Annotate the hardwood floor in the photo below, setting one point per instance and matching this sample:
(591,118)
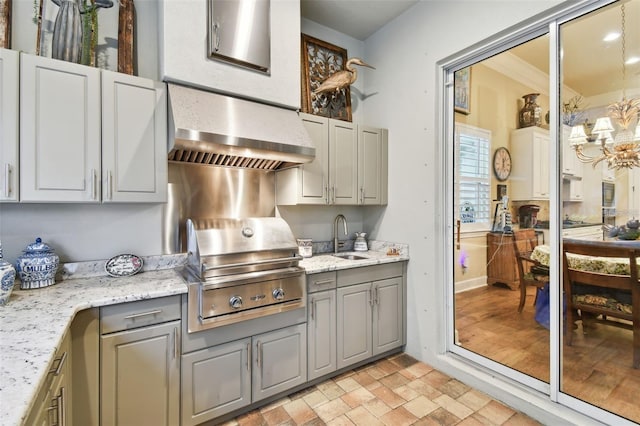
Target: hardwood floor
(596,368)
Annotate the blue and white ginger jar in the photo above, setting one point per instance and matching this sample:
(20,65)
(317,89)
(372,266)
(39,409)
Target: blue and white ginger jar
(7,279)
(38,265)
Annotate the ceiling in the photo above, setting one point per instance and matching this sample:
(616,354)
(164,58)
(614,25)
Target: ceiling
(356,18)
(590,66)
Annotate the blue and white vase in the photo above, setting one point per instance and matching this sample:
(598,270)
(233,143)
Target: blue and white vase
(38,265)
(7,279)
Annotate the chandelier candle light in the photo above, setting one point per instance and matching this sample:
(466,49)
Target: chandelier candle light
(623,151)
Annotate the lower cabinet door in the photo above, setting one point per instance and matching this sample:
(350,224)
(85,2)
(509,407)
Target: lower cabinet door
(279,361)
(354,324)
(388,330)
(215,381)
(321,329)
(140,376)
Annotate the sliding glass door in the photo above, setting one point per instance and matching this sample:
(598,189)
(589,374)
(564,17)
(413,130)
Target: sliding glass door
(530,167)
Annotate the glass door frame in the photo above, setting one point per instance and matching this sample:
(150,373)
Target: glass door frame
(547,23)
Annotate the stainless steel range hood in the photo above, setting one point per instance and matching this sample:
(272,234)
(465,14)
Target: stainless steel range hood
(213,129)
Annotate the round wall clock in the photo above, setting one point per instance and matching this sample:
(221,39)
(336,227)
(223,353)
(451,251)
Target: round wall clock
(502,163)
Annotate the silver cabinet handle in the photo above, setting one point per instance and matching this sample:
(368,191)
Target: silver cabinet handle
(312,307)
(110,185)
(249,356)
(56,371)
(362,195)
(216,35)
(323,282)
(175,342)
(7,176)
(93,184)
(259,354)
(333,194)
(143,314)
(371,301)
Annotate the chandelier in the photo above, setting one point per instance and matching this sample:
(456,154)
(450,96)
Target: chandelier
(623,150)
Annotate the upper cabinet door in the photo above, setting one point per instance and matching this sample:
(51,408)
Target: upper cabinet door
(372,161)
(59,131)
(134,139)
(343,170)
(9,70)
(315,175)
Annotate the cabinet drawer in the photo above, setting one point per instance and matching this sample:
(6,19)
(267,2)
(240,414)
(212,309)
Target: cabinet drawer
(320,282)
(369,273)
(139,314)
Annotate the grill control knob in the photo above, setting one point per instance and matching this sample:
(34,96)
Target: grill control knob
(278,294)
(235,302)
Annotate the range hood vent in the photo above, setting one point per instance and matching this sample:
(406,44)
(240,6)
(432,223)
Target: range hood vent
(213,129)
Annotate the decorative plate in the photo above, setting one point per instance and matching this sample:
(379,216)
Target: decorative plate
(123,265)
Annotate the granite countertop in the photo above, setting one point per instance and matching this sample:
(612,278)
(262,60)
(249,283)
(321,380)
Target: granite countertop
(328,262)
(33,322)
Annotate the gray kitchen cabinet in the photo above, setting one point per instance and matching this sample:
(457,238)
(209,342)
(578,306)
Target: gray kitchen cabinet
(140,363)
(370,312)
(350,167)
(134,139)
(321,332)
(226,377)
(215,381)
(9,167)
(59,130)
(530,157)
(279,360)
(52,404)
(90,135)
(372,165)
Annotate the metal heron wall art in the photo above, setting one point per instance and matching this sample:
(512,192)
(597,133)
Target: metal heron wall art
(341,79)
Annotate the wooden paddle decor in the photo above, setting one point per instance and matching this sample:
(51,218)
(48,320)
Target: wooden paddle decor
(5,24)
(125,36)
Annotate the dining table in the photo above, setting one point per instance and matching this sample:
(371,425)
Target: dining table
(602,265)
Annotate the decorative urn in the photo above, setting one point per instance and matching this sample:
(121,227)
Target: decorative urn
(7,279)
(38,265)
(530,113)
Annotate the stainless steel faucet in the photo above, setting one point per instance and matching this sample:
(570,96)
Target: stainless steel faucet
(337,244)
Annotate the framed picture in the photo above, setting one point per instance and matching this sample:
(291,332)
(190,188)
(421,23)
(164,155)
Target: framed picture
(318,62)
(5,24)
(501,191)
(462,90)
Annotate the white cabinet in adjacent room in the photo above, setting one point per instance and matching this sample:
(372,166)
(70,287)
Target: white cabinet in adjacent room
(9,167)
(88,135)
(571,165)
(530,170)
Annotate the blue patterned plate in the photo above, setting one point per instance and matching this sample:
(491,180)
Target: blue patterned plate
(123,265)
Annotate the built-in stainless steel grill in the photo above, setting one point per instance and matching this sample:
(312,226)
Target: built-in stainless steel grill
(240,269)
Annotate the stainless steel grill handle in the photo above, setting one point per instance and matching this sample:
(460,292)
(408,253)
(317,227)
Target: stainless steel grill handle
(207,267)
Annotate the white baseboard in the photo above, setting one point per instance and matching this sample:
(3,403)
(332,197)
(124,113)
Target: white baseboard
(466,285)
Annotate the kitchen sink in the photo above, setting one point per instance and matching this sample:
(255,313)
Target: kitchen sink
(349,256)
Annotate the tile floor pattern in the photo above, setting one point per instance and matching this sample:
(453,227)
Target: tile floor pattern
(394,391)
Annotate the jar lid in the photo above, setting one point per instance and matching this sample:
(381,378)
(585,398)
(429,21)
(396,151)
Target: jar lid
(38,247)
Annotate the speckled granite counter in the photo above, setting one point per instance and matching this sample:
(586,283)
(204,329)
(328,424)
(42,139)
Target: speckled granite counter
(327,262)
(33,322)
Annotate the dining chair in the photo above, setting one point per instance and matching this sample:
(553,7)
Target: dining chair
(601,293)
(531,272)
